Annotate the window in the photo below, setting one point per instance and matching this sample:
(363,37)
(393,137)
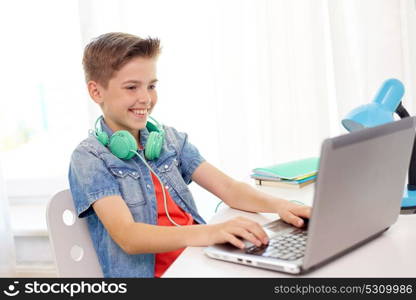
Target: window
(44,107)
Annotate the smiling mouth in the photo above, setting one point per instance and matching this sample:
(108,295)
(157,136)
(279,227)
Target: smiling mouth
(139,112)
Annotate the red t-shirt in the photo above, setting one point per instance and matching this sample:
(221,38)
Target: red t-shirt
(164,260)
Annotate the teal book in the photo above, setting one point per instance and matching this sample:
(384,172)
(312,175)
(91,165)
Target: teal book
(278,179)
(293,170)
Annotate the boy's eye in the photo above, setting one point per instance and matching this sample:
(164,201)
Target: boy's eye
(131,87)
(152,87)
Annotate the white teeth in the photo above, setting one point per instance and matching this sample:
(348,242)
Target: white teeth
(139,111)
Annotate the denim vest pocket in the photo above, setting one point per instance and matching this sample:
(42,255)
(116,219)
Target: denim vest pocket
(130,187)
(166,161)
(167,165)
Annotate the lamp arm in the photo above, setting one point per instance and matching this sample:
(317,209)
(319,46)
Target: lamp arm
(401,111)
(411,186)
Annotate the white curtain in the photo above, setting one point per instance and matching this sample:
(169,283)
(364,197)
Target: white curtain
(7,250)
(371,41)
(256,82)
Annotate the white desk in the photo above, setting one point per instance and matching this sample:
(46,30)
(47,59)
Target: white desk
(390,255)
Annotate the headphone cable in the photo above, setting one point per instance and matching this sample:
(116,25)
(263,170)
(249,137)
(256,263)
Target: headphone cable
(162,186)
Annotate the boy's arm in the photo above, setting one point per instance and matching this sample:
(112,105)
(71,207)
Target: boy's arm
(243,196)
(135,238)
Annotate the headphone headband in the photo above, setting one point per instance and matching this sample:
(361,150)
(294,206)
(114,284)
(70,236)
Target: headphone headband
(96,121)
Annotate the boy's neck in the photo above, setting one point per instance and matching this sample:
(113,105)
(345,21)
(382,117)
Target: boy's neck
(139,146)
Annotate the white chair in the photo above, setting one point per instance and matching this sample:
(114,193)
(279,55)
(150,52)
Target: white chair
(70,239)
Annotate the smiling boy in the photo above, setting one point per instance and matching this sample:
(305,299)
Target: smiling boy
(131,216)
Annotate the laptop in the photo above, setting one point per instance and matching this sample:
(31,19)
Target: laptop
(357,197)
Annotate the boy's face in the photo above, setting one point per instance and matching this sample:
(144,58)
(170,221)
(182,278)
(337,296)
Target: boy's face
(130,96)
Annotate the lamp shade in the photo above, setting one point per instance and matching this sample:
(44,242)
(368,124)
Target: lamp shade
(380,111)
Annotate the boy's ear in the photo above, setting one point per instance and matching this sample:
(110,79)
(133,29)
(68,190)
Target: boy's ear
(94,89)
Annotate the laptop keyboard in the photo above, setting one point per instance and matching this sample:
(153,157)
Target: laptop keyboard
(288,246)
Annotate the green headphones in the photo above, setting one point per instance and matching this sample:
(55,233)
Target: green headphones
(123,145)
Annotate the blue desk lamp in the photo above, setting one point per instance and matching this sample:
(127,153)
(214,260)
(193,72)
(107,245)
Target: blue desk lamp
(380,111)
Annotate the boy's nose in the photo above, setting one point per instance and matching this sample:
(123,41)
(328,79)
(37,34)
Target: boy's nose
(144,99)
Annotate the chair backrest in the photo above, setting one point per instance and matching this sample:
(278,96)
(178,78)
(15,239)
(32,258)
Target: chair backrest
(70,239)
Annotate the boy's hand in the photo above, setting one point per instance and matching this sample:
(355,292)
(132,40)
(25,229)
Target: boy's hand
(236,228)
(293,213)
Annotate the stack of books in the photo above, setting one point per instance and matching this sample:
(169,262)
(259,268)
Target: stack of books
(293,174)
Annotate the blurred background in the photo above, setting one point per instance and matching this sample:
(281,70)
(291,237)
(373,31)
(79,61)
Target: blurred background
(253,82)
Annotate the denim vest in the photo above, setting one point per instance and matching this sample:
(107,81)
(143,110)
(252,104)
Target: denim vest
(95,173)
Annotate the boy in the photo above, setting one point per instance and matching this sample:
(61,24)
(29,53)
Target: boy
(133,204)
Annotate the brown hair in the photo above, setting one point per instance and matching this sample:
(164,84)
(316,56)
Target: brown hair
(109,52)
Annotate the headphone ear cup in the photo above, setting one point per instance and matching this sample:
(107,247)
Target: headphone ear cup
(154,145)
(122,144)
(102,137)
